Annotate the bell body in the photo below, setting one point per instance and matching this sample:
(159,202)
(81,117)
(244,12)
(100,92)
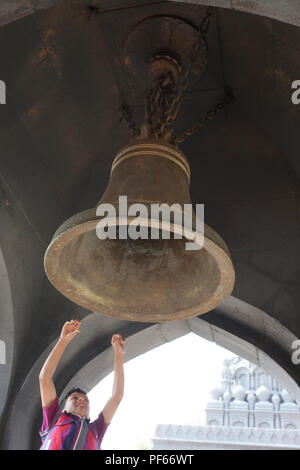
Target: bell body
(149,279)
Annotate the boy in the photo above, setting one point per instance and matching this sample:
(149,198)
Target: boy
(67,426)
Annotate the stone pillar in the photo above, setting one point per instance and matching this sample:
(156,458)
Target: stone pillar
(251,398)
(276,402)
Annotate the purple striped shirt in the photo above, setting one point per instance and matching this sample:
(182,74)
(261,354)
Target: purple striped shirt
(65,432)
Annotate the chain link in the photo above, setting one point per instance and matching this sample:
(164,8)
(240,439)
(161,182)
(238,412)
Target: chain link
(162,104)
(127,115)
(207,117)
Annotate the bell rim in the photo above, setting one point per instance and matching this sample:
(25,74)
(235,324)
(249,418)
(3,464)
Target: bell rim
(65,235)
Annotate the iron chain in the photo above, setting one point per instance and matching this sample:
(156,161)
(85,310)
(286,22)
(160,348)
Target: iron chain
(207,117)
(127,115)
(165,96)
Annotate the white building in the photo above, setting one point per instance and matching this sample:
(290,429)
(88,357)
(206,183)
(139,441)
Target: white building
(248,410)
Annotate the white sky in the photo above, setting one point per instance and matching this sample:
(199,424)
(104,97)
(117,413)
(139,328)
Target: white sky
(169,385)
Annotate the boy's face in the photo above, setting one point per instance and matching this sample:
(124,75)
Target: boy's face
(79,404)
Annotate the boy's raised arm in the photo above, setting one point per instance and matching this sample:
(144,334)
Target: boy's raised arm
(118,386)
(47,388)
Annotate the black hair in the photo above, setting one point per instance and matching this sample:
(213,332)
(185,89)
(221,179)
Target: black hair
(73,390)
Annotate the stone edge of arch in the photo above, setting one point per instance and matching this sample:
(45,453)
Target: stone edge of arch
(149,338)
(286,11)
(159,334)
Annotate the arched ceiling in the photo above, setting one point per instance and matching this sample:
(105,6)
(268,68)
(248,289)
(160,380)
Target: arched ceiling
(60,130)
(286,11)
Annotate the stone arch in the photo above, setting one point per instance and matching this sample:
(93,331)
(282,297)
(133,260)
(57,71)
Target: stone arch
(290,426)
(261,379)
(286,11)
(162,333)
(264,425)
(242,374)
(25,436)
(238,424)
(213,422)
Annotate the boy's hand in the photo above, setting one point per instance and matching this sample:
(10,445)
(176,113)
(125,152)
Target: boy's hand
(118,342)
(70,329)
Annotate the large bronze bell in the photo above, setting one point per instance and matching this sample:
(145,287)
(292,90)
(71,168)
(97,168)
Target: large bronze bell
(148,280)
